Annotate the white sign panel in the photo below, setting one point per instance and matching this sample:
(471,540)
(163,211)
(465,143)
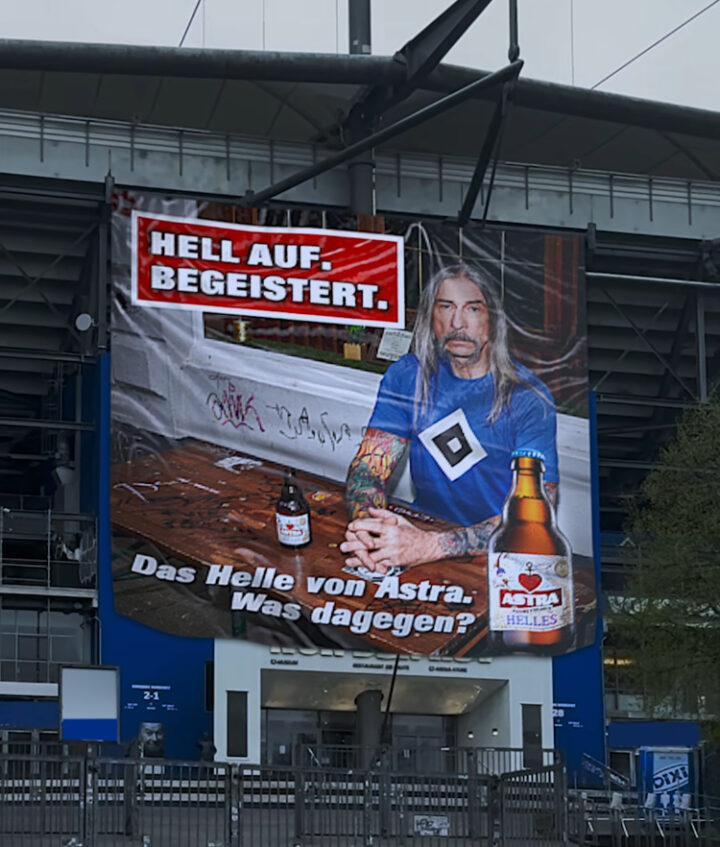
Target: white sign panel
(89,704)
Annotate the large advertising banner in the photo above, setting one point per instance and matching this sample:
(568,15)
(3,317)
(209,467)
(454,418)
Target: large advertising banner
(328,437)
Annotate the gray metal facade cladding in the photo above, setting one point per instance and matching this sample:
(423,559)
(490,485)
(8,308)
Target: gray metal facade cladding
(229,166)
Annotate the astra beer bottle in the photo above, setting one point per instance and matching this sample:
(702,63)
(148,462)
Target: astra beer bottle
(292,513)
(531,605)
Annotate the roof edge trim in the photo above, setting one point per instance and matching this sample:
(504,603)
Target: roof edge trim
(330,68)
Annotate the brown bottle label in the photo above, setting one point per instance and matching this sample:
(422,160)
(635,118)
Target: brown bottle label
(529,593)
(293,530)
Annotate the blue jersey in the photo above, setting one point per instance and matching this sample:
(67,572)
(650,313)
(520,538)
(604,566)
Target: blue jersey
(459,460)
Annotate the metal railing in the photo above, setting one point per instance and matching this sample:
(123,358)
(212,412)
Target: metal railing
(618,818)
(47,549)
(423,759)
(105,802)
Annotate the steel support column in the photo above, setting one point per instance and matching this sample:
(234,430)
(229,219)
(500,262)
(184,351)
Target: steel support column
(514,49)
(103,242)
(701,349)
(362,169)
(369,722)
(359,27)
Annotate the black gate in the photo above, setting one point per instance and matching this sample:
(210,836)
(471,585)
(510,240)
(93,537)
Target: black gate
(533,807)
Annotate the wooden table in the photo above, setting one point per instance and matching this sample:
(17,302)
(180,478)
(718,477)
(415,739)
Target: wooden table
(199,505)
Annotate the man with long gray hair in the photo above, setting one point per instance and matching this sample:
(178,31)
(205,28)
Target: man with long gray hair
(460,405)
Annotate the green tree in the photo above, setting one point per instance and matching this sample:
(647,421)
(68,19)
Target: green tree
(668,623)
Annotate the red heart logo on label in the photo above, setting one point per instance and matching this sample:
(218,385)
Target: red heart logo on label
(290,526)
(529,581)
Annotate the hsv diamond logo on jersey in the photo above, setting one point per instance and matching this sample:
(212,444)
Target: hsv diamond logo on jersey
(453,445)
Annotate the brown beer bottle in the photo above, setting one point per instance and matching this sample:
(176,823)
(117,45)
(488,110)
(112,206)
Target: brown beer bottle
(531,605)
(292,514)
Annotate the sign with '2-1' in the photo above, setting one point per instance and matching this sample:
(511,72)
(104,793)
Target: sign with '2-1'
(326,276)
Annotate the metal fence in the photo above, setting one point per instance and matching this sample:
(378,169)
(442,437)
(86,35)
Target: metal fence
(76,801)
(617,819)
(533,807)
(103,802)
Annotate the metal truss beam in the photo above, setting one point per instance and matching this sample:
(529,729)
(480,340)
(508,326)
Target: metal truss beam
(425,51)
(625,353)
(630,400)
(668,365)
(420,56)
(506,74)
(88,594)
(680,335)
(47,355)
(660,280)
(662,417)
(35,423)
(630,464)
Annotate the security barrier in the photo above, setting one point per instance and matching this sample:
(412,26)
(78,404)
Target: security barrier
(103,802)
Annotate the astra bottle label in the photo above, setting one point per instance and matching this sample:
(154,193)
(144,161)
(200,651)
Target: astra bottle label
(529,592)
(293,530)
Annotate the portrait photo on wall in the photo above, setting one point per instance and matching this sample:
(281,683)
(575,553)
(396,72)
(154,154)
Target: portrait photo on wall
(361,433)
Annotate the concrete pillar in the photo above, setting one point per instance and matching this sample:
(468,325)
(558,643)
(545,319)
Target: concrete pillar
(362,185)
(368,725)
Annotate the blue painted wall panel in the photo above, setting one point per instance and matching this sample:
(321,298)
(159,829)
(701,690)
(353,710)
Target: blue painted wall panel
(162,677)
(578,689)
(630,734)
(89,729)
(29,714)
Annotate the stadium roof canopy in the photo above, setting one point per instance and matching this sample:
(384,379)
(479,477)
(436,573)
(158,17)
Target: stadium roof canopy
(303,97)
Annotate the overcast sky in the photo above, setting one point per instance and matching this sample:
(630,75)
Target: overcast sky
(570,41)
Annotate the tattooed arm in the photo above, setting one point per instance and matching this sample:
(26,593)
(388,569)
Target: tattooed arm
(468,540)
(369,471)
(390,539)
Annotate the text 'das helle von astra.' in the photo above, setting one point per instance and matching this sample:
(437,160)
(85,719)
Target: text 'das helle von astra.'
(256,593)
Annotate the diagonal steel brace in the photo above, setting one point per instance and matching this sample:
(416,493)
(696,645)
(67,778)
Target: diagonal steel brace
(641,335)
(489,148)
(420,55)
(506,74)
